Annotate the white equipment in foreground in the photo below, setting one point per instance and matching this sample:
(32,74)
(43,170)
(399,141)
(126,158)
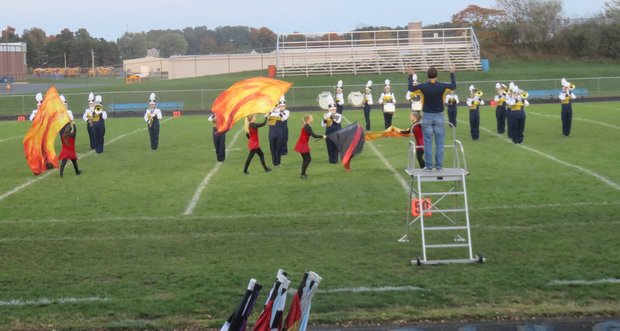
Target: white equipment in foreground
(356,99)
(324,99)
(438,200)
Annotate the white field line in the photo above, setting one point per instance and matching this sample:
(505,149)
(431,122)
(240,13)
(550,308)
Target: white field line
(9,139)
(607,181)
(363,289)
(194,201)
(46,301)
(293,215)
(584,282)
(387,164)
(578,119)
(47,173)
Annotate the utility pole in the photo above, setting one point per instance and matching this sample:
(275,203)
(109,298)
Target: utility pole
(65,59)
(92,59)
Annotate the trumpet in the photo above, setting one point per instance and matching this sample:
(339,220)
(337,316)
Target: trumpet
(479,93)
(571,86)
(524,94)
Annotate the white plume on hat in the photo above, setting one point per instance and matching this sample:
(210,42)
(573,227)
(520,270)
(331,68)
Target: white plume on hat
(91,97)
(471,88)
(63,99)
(282,100)
(415,78)
(511,86)
(39,97)
(565,83)
(387,82)
(331,103)
(98,99)
(152,97)
(369,84)
(339,84)
(498,86)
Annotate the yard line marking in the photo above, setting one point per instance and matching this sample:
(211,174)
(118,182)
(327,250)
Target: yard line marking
(292,215)
(607,181)
(363,289)
(46,301)
(194,201)
(387,164)
(584,282)
(7,139)
(47,173)
(579,119)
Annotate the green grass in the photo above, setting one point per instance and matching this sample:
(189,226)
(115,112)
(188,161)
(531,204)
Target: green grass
(117,231)
(199,93)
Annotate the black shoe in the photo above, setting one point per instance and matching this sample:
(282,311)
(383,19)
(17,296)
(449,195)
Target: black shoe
(268,170)
(245,172)
(304,176)
(78,172)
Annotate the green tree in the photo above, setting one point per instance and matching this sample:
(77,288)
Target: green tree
(612,10)
(172,43)
(132,45)
(36,40)
(531,21)
(233,38)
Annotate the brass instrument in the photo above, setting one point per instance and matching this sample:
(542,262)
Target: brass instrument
(524,94)
(571,86)
(150,120)
(479,94)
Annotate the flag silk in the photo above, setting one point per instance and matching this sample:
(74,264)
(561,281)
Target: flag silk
(250,96)
(51,117)
(270,318)
(298,314)
(350,142)
(239,318)
(392,131)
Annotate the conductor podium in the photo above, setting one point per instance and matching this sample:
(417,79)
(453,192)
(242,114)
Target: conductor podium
(438,203)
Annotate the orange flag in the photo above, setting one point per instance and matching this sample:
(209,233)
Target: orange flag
(389,132)
(51,117)
(247,97)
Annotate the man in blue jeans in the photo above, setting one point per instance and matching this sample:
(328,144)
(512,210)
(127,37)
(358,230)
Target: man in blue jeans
(433,121)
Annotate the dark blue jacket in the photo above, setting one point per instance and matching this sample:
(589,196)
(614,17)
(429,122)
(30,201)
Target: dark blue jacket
(433,92)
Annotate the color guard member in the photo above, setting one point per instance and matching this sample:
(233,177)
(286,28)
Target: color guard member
(302,146)
(251,131)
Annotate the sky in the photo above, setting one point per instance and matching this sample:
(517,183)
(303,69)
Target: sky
(110,19)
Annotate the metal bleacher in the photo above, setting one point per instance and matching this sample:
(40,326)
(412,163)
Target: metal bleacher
(376,51)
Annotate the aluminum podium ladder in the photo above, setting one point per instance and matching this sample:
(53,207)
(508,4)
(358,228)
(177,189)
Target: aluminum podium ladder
(438,201)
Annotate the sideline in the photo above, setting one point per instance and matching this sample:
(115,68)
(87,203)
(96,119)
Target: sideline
(584,282)
(194,201)
(46,301)
(8,139)
(47,173)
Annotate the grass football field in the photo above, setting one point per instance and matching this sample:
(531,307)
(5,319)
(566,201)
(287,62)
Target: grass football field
(122,245)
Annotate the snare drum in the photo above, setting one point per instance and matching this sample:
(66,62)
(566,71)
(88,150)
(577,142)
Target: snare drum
(356,99)
(389,108)
(324,99)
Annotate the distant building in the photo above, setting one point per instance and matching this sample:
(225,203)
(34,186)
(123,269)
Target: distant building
(13,60)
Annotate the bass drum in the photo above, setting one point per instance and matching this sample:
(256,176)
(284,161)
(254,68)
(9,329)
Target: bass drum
(324,99)
(356,99)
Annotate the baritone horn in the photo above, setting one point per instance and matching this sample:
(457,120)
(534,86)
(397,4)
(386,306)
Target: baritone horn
(524,94)
(98,108)
(571,86)
(479,93)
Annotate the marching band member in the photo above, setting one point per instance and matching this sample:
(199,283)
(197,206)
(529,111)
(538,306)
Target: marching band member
(452,100)
(39,98)
(251,131)
(567,108)
(152,117)
(511,88)
(98,118)
(219,141)
(500,109)
(388,101)
(88,118)
(275,134)
(302,144)
(339,97)
(474,102)
(367,103)
(67,152)
(415,98)
(331,123)
(517,114)
(285,113)
(416,130)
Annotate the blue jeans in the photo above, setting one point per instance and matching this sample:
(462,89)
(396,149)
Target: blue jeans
(433,126)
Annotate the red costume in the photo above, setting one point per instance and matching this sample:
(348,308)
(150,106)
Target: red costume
(253,138)
(68,148)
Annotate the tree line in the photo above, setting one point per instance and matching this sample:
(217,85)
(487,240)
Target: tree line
(515,29)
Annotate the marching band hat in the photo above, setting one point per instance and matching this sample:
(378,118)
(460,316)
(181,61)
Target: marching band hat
(152,98)
(472,88)
(369,84)
(63,99)
(414,77)
(98,99)
(39,98)
(91,97)
(565,83)
(339,84)
(387,82)
(282,100)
